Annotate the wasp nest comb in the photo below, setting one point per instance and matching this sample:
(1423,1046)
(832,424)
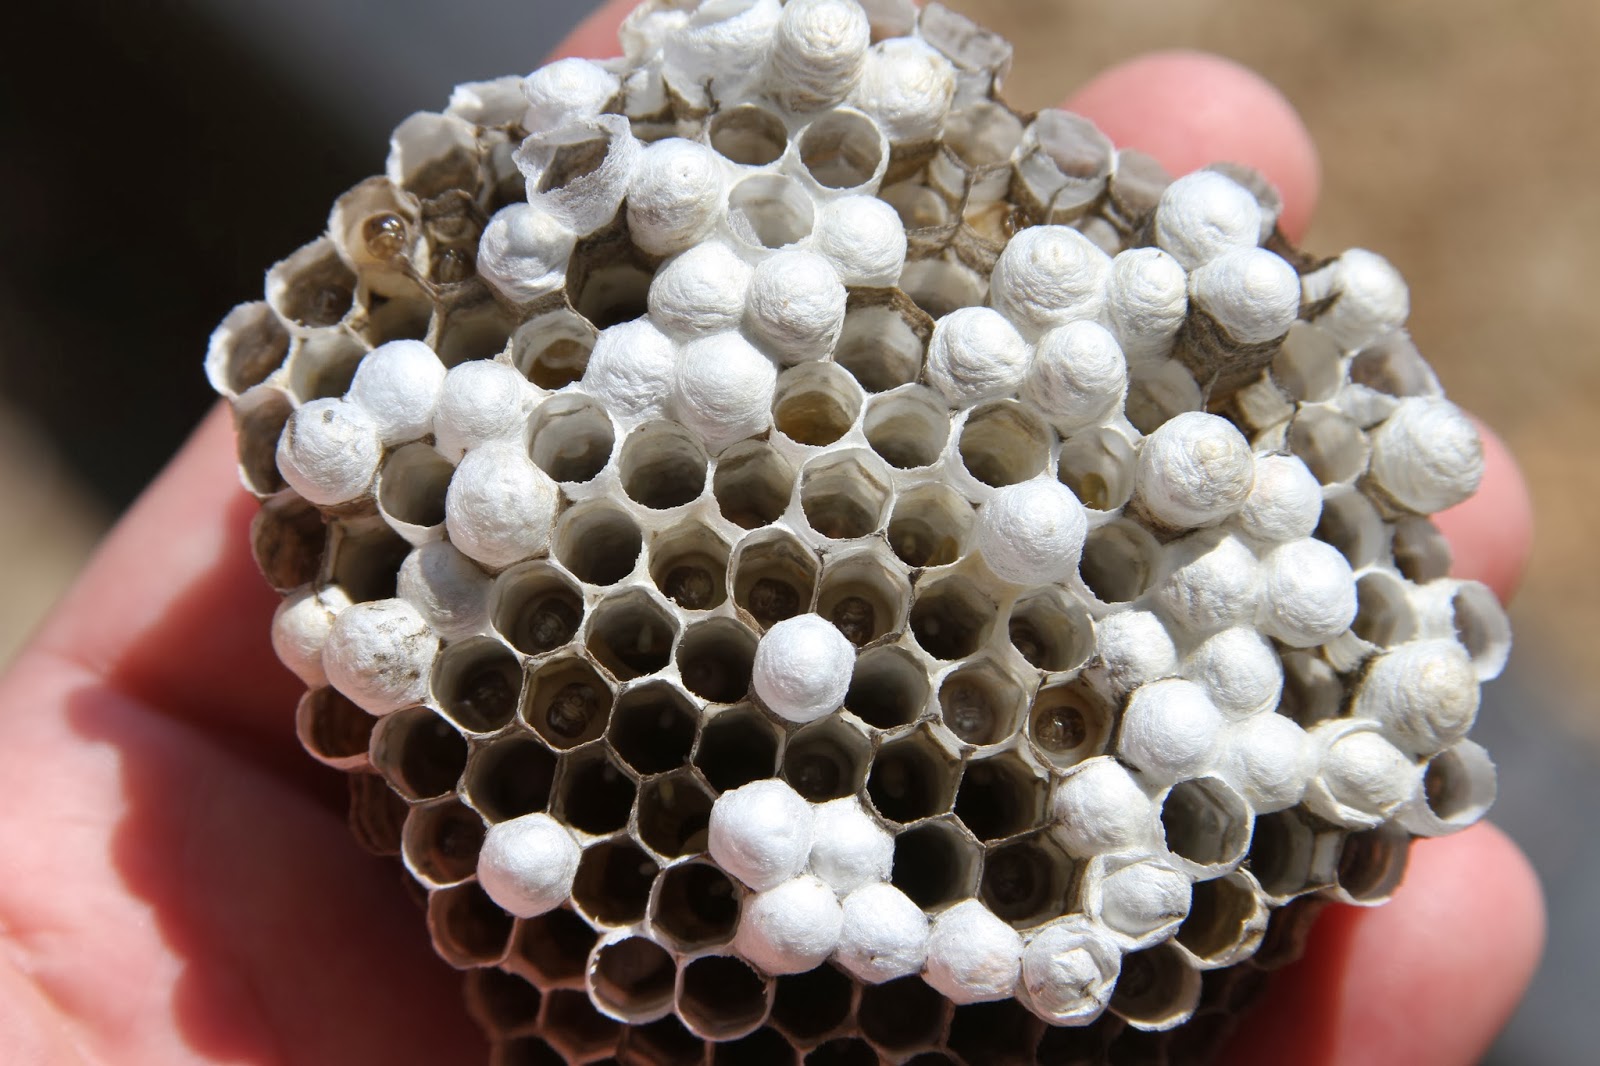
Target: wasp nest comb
(804,562)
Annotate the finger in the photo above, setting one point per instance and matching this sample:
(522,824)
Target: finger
(1189,109)
(1491,534)
(1428,979)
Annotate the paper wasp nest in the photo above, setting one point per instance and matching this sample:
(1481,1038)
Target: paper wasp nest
(806,563)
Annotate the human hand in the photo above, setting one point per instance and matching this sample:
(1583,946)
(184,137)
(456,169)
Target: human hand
(182,888)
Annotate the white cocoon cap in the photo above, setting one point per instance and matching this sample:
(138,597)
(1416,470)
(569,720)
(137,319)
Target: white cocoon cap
(973,956)
(1284,504)
(761,833)
(398,384)
(907,87)
(1134,647)
(850,849)
(447,587)
(1194,470)
(1203,214)
(1169,730)
(975,354)
(674,196)
(791,928)
(722,389)
(1269,759)
(380,655)
(329,451)
(818,52)
(884,935)
(527,864)
(1079,377)
(1147,299)
(1032,533)
(802,668)
(1142,900)
(1239,669)
(567,90)
(1099,807)
(1364,775)
(631,368)
(864,239)
(700,292)
(480,401)
(1069,971)
(1370,298)
(1210,583)
(1047,276)
(1424,695)
(1253,294)
(523,253)
(723,43)
(1427,455)
(499,507)
(1308,593)
(300,627)
(796,306)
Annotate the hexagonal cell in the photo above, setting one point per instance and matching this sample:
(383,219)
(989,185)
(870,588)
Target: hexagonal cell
(939,286)
(1331,444)
(1069,723)
(553,948)
(826,760)
(815,403)
(842,149)
(630,633)
(1226,920)
(568,702)
(440,842)
(419,753)
(934,864)
(1098,466)
(1003,444)
(552,350)
(1353,525)
(774,576)
(598,542)
(1420,551)
(882,344)
(501,1002)
(674,812)
(764,1047)
(842,1051)
(608,282)
(536,608)
(737,746)
(575,1028)
(477,683)
(593,793)
(661,1043)
(1371,865)
(992,1034)
(526,1051)
(333,729)
(364,558)
(1479,623)
(721,997)
(908,428)
(1000,796)
(376,813)
(689,564)
(1458,788)
(1312,690)
(1025,881)
(951,617)
(752,484)
(902,1014)
(912,777)
(1384,613)
(653,727)
(631,979)
(929,526)
(747,134)
(888,689)
(411,487)
(469,332)
(845,495)
(246,348)
(1291,855)
(808,1006)
(312,287)
(613,882)
(1157,990)
(1119,561)
(715,659)
(1051,630)
(662,466)
(260,416)
(770,211)
(981,703)
(695,906)
(510,777)
(1308,366)
(394,319)
(468,928)
(1206,824)
(287,539)
(864,594)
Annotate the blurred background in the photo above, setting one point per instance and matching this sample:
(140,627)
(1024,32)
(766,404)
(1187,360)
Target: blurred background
(158,157)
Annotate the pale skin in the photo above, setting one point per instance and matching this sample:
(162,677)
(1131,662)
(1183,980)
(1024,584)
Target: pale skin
(180,886)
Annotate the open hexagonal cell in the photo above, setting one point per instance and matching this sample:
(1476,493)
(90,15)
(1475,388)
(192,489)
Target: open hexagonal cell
(598,542)
(440,842)
(737,746)
(1312,690)
(1290,855)
(376,813)
(653,727)
(1421,553)
(774,576)
(312,287)
(1352,524)
(1308,366)
(364,558)
(1206,823)
(842,149)
(1371,864)
(908,428)
(419,753)
(950,617)
(287,539)
(696,906)
(568,702)
(929,526)
(1051,630)
(715,658)
(748,134)
(477,683)
(888,689)
(1157,989)
(662,466)
(1330,443)
(608,282)
(810,1005)
(246,348)
(981,703)
(1393,366)
(989,1034)
(845,496)
(468,928)
(764,1047)
(333,729)
(1098,466)
(1226,920)
(842,1051)
(1119,561)
(1481,626)
(613,882)
(752,484)
(1025,881)
(412,484)
(1384,614)
(689,564)
(935,863)
(826,760)
(575,1028)
(770,211)
(903,1014)
(552,350)
(501,1002)
(1000,796)
(260,418)
(536,607)
(815,403)
(863,594)
(912,777)
(630,633)
(396,318)
(631,979)
(1003,443)
(882,344)
(1069,723)
(661,1043)
(593,793)
(478,331)
(674,812)
(526,1051)
(1458,787)
(553,948)
(721,997)
(510,777)
(571,438)
(939,286)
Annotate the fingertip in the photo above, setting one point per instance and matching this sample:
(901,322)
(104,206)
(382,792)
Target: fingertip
(1491,533)
(1189,109)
